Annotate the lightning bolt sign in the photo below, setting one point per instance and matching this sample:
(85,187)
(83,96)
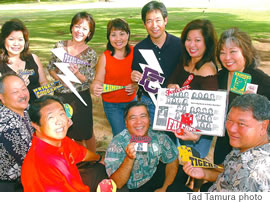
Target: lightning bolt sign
(152,63)
(68,76)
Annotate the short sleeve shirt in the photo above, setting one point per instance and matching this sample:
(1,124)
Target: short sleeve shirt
(247,171)
(50,168)
(15,140)
(161,149)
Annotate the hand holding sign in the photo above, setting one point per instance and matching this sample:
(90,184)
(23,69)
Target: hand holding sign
(186,155)
(194,172)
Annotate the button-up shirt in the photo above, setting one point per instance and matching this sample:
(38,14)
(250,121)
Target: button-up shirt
(161,148)
(247,171)
(15,140)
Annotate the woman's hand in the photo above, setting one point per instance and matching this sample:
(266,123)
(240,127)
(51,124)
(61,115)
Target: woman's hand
(188,136)
(130,89)
(73,68)
(97,88)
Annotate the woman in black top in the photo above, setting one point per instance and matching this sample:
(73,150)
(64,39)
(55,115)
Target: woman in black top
(236,53)
(15,56)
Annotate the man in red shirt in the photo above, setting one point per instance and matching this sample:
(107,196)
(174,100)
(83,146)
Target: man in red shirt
(50,164)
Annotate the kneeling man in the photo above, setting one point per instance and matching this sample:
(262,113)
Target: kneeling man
(50,164)
(247,166)
(152,170)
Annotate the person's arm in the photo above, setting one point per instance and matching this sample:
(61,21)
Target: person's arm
(42,76)
(170,173)
(75,70)
(188,136)
(208,174)
(91,156)
(97,84)
(122,174)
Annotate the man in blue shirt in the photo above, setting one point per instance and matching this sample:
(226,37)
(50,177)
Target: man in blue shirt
(166,47)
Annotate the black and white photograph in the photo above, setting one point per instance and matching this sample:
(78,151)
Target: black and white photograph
(207,108)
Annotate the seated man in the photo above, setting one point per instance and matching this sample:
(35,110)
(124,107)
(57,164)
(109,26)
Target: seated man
(153,170)
(50,164)
(15,131)
(247,167)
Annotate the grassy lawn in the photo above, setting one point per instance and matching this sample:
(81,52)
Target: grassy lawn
(48,27)
(3,2)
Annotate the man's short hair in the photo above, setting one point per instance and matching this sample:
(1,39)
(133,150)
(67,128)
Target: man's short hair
(3,77)
(38,104)
(258,104)
(134,104)
(154,5)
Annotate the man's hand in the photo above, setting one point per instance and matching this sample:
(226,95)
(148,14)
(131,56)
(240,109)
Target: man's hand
(197,173)
(130,150)
(136,76)
(173,86)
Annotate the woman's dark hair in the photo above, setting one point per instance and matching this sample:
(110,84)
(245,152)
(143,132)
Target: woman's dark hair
(117,24)
(84,15)
(244,42)
(7,28)
(210,40)
(38,104)
(151,6)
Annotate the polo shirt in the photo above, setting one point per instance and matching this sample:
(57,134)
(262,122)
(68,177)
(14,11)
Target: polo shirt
(168,55)
(161,148)
(50,168)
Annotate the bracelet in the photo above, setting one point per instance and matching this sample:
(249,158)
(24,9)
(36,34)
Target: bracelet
(100,157)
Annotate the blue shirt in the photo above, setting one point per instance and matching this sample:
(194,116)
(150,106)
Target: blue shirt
(168,56)
(161,149)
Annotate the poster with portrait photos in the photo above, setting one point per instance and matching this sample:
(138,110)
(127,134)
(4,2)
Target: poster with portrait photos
(199,111)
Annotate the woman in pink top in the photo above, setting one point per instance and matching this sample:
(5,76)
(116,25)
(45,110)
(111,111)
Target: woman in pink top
(114,68)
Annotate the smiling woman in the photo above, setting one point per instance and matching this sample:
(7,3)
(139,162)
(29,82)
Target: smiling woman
(15,56)
(114,68)
(82,29)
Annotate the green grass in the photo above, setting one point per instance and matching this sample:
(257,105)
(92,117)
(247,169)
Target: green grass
(48,27)
(3,2)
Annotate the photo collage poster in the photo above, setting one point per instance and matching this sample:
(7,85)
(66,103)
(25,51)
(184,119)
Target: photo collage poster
(200,111)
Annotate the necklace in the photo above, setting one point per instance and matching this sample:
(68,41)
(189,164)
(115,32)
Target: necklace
(18,68)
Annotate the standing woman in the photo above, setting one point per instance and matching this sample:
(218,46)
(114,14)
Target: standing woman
(236,53)
(198,60)
(16,57)
(114,67)
(82,29)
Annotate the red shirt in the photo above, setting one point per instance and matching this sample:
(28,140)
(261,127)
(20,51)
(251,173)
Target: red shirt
(50,168)
(118,72)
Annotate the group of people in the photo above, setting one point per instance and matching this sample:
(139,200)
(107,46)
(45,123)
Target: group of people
(42,150)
